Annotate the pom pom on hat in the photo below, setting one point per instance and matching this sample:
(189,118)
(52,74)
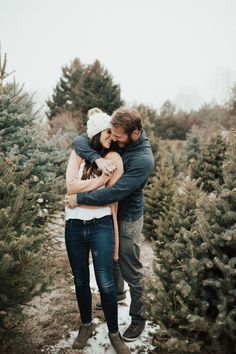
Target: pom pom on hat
(97,122)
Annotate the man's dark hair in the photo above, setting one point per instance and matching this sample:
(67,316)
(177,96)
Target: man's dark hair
(127,118)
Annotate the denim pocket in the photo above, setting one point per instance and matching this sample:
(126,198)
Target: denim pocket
(68,222)
(105,222)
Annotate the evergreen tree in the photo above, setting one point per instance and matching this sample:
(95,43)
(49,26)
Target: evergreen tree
(172,124)
(158,197)
(193,295)
(149,117)
(230,120)
(164,294)
(181,213)
(194,142)
(63,92)
(21,238)
(208,166)
(82,87)
(31,189)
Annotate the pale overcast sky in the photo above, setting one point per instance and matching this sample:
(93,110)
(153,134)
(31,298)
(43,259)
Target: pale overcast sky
(182,50)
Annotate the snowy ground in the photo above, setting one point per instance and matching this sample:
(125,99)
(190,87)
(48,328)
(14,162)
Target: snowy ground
(51,319)
(99,343)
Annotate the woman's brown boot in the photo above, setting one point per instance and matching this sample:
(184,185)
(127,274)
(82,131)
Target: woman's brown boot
(85,332)
(118,344)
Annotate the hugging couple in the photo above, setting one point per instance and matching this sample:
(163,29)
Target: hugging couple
(106,174)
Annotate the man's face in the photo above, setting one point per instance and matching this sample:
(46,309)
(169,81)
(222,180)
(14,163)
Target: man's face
(120,137)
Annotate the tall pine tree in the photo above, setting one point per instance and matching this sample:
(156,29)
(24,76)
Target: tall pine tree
(82,87)
(208,166)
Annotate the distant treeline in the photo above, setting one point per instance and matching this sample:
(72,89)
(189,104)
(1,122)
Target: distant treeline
(82,87)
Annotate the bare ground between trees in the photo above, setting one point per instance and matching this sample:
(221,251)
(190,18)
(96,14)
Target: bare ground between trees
(50,317)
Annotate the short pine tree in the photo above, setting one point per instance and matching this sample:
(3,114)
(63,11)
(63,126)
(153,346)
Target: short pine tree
(193,296)
(181,213)
(164,299)
(208,165)
(21,238)
(194,142)
(31,189)
(158,197)
(149,118)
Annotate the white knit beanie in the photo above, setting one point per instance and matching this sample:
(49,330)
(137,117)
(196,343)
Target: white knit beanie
(97,122)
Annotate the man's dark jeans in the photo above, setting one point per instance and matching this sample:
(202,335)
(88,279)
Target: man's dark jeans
(96,235)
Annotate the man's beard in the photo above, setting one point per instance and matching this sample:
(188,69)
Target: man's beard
(127,143)
(115,144)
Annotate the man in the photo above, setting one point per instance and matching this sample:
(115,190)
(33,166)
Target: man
(138,163)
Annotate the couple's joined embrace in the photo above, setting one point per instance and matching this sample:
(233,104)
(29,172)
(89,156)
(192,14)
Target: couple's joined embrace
(105,177)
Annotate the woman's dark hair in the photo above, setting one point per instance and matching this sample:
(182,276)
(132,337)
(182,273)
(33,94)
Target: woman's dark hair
(95,142)
(92,169)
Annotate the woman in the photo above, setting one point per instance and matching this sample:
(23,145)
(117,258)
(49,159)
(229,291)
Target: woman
(92,228)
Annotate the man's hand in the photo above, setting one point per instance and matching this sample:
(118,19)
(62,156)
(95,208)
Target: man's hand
(71,200)
(106,165)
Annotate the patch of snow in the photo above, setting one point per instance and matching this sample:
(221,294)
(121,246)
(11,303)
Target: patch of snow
(99,343)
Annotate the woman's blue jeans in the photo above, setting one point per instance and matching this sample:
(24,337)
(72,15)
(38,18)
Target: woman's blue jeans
(96,235)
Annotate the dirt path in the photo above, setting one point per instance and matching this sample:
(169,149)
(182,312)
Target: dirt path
(52,319)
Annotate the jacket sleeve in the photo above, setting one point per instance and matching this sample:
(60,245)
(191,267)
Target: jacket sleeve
(82,147)
(134,176)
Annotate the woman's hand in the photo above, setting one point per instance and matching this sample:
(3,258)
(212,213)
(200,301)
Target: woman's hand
(71,200)
(106,165)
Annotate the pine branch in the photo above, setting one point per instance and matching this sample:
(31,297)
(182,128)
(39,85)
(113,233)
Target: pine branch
(204,231)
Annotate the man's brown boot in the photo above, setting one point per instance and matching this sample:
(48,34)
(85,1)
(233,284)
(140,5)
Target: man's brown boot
(118,344)
(85,332)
